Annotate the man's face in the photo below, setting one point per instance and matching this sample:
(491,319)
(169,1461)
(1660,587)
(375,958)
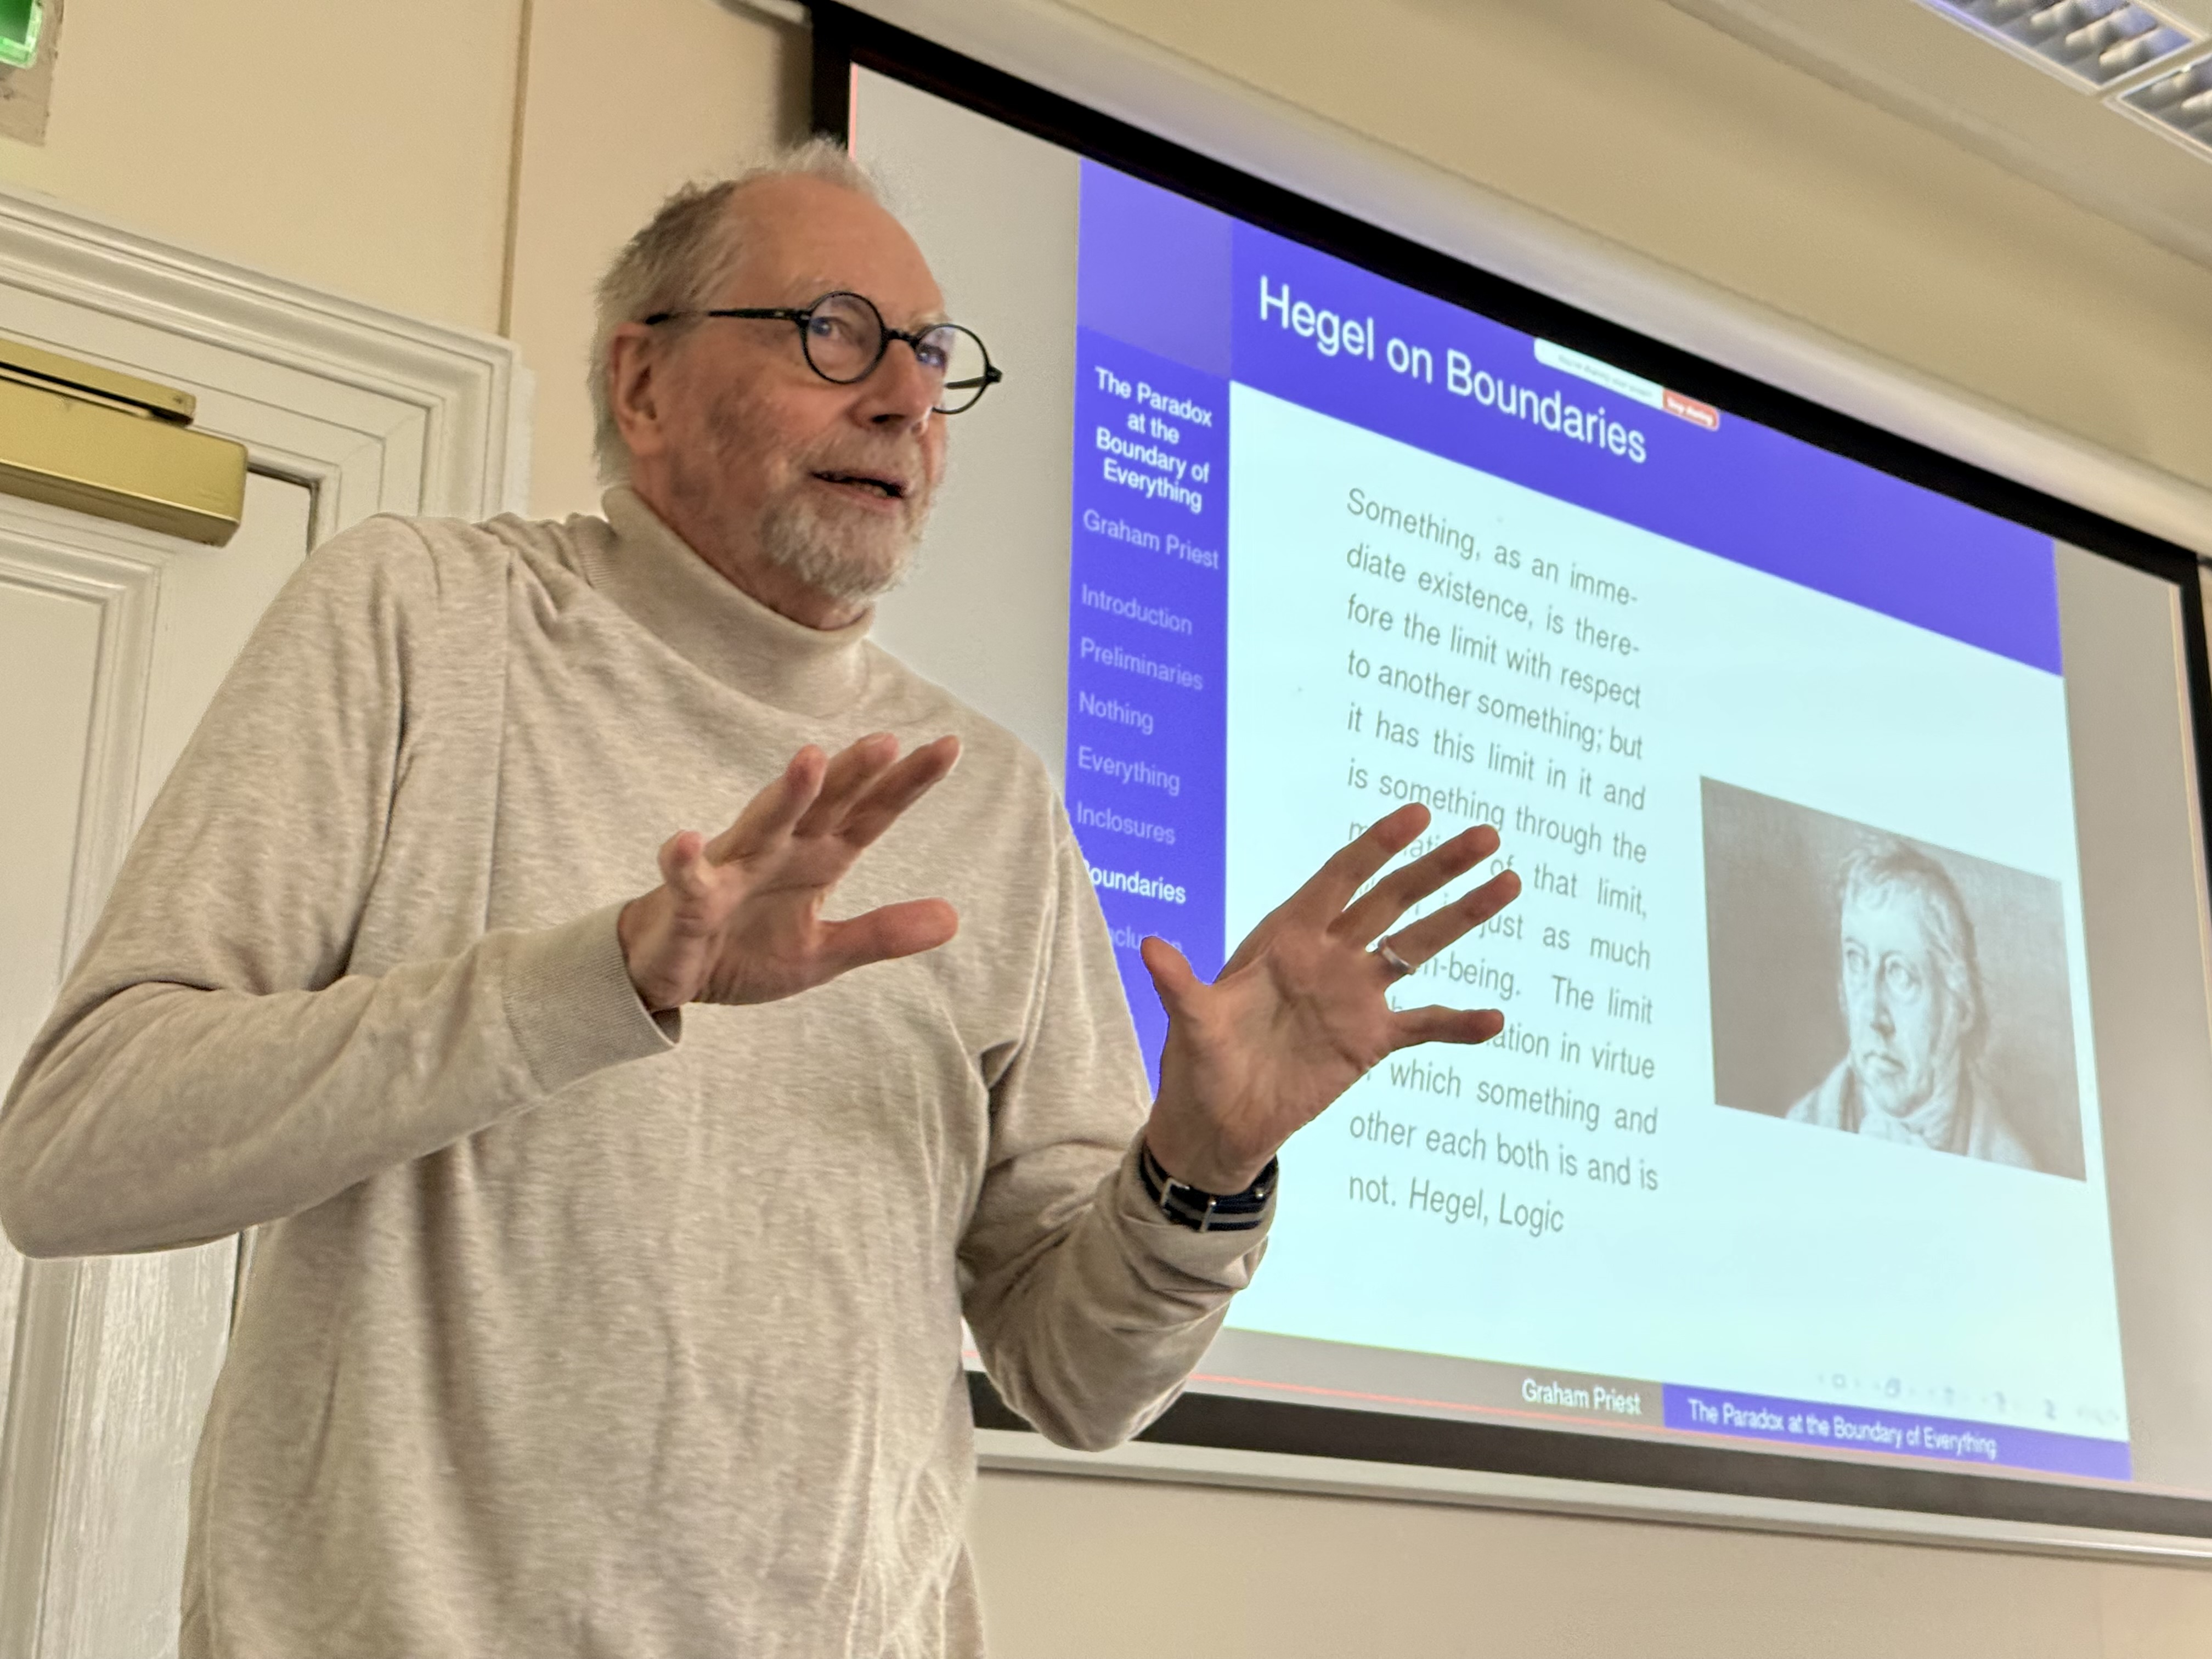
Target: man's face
(1904,1021)
(790,484)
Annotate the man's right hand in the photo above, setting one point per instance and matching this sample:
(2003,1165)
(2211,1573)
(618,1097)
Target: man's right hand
(739,919)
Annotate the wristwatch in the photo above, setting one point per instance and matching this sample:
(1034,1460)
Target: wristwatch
(1198,1209)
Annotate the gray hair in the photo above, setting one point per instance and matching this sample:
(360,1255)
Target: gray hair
(1878,868)
(685,249)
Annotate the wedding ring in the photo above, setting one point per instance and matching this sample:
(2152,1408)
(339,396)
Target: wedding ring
(1398,965)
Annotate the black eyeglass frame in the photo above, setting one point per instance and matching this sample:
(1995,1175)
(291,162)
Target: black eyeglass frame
(800,316)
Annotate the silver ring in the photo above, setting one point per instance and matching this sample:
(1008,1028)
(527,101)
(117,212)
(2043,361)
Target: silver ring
(1398,965)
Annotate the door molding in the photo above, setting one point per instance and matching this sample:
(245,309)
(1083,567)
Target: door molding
(374,412)
(436,412)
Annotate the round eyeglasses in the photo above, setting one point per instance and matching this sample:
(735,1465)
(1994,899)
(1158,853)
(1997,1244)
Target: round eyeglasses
(844,337)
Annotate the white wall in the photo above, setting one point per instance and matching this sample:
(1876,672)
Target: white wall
(361,147)
(1085,1568)
(476,163)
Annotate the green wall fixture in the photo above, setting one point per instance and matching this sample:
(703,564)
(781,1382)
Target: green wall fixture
(18,31)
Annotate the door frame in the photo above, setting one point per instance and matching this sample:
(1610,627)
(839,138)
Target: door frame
(104,1376)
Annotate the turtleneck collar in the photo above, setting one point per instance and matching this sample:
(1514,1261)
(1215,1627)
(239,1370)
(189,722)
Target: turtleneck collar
(654,575)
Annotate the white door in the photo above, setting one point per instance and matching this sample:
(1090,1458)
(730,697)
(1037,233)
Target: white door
(112,642)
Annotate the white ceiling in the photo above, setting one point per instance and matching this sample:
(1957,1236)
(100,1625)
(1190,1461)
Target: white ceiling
(1904,56)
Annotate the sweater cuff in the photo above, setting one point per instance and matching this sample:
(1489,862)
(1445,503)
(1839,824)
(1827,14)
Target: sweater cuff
(572,1007)
(1203,1253)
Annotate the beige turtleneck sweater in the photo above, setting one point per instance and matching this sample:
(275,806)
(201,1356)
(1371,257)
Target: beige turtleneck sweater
(570,1331)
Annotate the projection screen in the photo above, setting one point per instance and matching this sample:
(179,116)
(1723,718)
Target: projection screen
(1850,1138)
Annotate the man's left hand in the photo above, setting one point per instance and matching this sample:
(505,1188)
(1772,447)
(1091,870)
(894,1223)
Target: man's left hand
(1298,1014)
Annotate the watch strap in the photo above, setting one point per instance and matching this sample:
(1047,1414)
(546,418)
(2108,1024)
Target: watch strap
(1198,1209)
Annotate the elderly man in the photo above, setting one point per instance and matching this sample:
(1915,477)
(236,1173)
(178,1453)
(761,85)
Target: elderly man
(1913,1004)
(614,1247)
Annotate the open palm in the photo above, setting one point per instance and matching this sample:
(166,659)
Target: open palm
(1298,1014)
(739,918)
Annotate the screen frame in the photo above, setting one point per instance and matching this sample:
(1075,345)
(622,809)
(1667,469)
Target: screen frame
(1764,1486)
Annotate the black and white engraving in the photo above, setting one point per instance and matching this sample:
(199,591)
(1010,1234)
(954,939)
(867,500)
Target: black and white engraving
(1869,983)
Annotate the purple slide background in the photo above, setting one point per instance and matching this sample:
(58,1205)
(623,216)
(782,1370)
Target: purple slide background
(1165,273)
(1189,723)
(1902,1434)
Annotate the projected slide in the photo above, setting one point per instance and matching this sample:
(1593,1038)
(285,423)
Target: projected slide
(1793,1136)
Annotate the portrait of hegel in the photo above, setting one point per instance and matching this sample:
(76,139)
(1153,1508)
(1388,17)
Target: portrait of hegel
(1909,984)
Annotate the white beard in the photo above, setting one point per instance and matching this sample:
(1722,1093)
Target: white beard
(846,556)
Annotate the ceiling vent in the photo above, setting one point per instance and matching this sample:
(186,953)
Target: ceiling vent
(2180,103)
(2094,44)
(2152,62)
